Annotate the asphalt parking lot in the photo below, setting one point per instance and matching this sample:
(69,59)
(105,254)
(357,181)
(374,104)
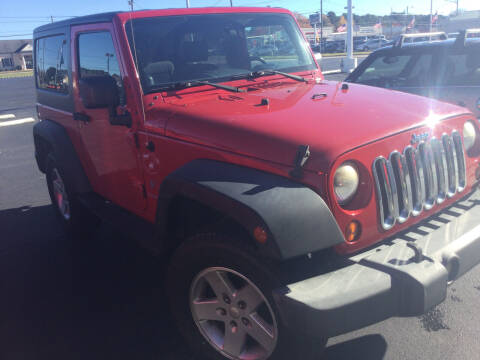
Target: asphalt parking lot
(101,296)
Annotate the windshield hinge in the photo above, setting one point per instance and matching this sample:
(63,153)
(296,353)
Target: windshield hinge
(303,153)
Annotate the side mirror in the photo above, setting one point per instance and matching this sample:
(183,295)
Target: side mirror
(99,92)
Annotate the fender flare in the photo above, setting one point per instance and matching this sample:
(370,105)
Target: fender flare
(59,141)
(296,218)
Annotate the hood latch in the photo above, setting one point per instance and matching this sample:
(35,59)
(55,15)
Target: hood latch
(303,153)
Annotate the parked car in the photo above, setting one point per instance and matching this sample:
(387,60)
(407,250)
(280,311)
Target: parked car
(337,46)
(372,44)
(287,209)
(448,70)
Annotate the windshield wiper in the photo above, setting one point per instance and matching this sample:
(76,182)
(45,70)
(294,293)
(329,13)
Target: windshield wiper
(256,74)
(187,84)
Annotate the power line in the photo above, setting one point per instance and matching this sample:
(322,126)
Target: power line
(37,17)
(7,36)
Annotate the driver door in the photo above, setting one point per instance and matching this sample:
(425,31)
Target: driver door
(108,152)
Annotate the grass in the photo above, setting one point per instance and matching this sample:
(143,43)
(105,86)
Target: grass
(14,74)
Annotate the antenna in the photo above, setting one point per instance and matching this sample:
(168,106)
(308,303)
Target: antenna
(135,59)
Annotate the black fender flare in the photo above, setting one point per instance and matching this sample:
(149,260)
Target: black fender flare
(58,140)
(296,218)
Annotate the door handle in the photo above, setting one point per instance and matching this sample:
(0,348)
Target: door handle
(81,117)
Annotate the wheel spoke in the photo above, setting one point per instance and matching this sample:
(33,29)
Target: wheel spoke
(207,310)
(250,296)
(220,283)
(57,187)
(234,340)
(261,332)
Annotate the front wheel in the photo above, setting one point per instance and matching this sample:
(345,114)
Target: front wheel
(221,298)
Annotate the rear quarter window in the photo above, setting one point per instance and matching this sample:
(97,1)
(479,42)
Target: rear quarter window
(51,63)
(463,68)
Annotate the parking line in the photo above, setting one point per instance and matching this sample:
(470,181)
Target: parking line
(17,122)
(6,116)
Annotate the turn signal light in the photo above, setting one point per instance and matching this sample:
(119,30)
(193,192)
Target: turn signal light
(353,231)
(260,235)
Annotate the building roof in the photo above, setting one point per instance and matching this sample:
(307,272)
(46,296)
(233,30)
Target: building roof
(14,46)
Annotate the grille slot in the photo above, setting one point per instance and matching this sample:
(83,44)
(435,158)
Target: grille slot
(417,179)
(460,161)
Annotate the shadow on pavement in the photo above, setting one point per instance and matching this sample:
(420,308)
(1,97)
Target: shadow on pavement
(95,297)
(371,347)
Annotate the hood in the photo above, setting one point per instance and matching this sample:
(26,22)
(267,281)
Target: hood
(272,119)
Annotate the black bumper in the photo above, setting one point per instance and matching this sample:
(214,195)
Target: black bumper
(392,279)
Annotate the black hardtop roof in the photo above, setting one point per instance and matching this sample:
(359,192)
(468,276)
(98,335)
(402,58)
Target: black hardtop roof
(87,19)
(427,45)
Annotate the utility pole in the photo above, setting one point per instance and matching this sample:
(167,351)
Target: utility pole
(130,2)
(188,3)
(231,3)
(51,18)
(109,56)
(431,15)
(349,63)
(321,25)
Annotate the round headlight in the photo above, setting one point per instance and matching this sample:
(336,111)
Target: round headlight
(345,182)
(469,135)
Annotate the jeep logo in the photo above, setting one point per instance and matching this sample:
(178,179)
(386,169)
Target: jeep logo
(416,138)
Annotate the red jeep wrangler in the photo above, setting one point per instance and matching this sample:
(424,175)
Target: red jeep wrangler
(291,209)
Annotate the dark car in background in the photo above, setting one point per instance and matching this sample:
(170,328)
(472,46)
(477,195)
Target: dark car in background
(448,70)
(336,46)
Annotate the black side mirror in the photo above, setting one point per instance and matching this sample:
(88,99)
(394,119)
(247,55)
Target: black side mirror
(102,92)
(99,92)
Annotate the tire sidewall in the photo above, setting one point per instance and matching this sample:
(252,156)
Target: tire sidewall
(203,252)
(81,221)
(51,165)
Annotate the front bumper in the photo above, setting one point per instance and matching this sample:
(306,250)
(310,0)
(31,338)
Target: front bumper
(403,276)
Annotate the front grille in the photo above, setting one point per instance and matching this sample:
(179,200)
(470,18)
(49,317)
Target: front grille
(408,183)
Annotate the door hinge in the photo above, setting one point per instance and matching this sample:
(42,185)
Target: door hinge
(135,139)
(81,117)
(144,191)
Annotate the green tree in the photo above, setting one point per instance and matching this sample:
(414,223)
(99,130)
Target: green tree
(333,18)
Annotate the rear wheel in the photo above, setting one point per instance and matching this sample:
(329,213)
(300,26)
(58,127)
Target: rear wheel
(74,216)
(221,298)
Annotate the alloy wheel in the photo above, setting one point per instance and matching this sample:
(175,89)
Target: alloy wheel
(232,314)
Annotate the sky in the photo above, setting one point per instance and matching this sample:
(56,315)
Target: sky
(19,18)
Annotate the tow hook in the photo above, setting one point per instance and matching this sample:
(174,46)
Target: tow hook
(418,257)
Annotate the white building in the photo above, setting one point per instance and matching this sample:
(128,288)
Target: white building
(16,54)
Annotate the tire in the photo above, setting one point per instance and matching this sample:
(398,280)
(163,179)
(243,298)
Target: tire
(74,217)
(200,262)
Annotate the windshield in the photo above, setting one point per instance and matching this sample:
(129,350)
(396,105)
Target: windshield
(215,47)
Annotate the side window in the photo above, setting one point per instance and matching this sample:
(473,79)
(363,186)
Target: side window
(97,57)
(385,67)
(462,69)
(52,70)
(420,73)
